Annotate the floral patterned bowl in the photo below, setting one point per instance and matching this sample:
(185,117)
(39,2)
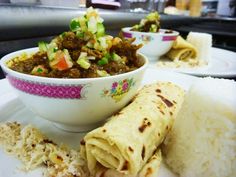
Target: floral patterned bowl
(74,104)
(154,44)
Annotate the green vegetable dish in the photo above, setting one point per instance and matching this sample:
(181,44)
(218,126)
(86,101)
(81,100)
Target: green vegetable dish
(85,51)
(151,23)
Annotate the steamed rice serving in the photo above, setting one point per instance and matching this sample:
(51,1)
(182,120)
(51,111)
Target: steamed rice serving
(203,43)
(202,142)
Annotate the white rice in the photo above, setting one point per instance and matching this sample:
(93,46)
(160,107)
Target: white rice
(202,142)
(203,44)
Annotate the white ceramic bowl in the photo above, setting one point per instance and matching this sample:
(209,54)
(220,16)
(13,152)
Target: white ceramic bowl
(74,104)
(154,44)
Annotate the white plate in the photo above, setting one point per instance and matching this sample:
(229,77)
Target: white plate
(222,64)
(12,109)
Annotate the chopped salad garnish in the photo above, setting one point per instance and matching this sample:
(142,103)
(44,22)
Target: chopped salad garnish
(84,51)
(151,23)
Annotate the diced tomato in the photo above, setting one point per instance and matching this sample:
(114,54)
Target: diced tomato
(60,62)
(62,65)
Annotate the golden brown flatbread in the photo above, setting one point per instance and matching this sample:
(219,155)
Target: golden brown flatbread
(182,50)
(129,139)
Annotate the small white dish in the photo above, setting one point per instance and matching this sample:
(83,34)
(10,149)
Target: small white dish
(154,44)
(222,65)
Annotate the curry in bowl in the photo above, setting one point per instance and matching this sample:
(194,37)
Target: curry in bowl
(85,51)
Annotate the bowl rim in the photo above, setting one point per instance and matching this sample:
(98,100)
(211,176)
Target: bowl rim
(11,72)
(174,33)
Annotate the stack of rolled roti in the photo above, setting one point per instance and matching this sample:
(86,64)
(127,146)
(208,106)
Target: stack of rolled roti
(127,145)
(195,50)
(182,50)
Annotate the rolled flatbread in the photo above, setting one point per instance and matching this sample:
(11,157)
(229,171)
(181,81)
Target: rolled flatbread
(150,169)
(182,50)
(128,140)
(152,166)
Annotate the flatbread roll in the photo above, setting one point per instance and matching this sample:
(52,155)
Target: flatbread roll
(152,166)
(129,139)
(150,169)
(182,50)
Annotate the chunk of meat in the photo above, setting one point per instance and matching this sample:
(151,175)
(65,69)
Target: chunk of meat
(70,41)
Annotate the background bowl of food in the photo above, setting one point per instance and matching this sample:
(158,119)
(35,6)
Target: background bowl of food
(76,81)
(156,42)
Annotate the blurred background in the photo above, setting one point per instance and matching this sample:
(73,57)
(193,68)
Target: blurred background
(25,22)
